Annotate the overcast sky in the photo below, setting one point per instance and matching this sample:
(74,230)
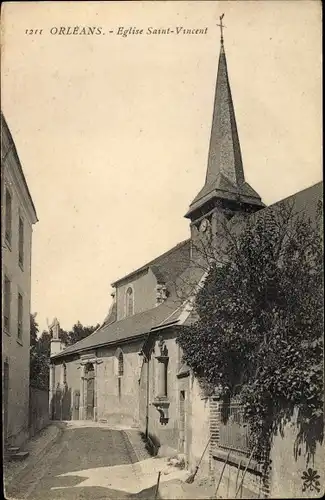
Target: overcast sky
(113,132)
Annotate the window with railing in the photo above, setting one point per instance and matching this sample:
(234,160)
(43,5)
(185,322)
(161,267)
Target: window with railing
(6,303)
(234,432)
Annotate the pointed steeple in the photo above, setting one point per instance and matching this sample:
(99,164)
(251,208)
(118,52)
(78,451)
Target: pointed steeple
(225,174)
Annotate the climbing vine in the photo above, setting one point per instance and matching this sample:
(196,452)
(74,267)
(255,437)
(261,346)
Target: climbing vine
(259,332)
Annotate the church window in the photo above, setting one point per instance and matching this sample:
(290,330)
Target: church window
(120,366)
(129,303)
(64,374)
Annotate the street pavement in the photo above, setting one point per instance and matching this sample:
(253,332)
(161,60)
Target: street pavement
(87,463)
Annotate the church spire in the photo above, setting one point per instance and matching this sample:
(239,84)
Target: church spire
(225,174)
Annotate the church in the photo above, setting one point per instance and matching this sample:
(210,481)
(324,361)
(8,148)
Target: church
(130,370)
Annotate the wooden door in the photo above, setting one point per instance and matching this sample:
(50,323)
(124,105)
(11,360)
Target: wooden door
(5,400)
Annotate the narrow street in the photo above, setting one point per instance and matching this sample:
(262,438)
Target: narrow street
(87,463)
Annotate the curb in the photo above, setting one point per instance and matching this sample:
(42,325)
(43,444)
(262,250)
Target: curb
(37,458)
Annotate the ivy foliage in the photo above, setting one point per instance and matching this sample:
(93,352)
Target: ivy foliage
(260,329)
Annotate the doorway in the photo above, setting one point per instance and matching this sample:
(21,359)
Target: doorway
(90,391)
(182,422)
(5,400)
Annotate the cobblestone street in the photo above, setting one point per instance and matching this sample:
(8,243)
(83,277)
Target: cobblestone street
(87,463)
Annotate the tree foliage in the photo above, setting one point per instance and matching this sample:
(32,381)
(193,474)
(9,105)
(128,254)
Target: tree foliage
(39,355)
(79,332)
(259,332)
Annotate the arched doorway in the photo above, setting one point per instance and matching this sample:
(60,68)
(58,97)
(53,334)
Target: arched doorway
(90,391)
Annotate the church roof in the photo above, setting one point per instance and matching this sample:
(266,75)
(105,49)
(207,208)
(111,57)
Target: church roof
(225,174)
(167,265)
(127,329)
(304,202)
(171,311)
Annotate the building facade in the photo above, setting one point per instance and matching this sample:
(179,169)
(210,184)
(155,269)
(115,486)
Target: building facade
(130,370)
(17,219)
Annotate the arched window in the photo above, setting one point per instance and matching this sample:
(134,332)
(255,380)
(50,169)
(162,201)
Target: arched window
(120,364)
(129,302)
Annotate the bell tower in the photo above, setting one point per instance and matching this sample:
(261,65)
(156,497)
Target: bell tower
(225,191)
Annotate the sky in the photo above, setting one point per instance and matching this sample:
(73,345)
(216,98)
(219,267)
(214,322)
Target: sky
(113,132)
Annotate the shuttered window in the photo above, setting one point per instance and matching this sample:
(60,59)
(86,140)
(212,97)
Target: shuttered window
(7,303)
(20,316)
(21,242)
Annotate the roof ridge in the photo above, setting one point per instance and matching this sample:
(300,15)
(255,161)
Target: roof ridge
(294,194)
(153,261)
(161,308)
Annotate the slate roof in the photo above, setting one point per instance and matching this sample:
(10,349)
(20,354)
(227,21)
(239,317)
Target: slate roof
(166,266)
(129,328)
(305,201)
(221,187)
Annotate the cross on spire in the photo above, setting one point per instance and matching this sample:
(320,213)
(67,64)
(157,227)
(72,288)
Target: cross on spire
(221,27)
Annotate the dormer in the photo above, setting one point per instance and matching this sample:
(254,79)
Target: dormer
(151,285)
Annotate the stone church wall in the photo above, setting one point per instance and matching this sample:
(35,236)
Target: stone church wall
(118,397)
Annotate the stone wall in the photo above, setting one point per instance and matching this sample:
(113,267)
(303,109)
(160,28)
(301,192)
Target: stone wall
(118,397)
(38,410)
(285,479)
(287,469)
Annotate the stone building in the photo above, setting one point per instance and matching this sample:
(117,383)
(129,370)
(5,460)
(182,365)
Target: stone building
(18,217)
(130,370)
